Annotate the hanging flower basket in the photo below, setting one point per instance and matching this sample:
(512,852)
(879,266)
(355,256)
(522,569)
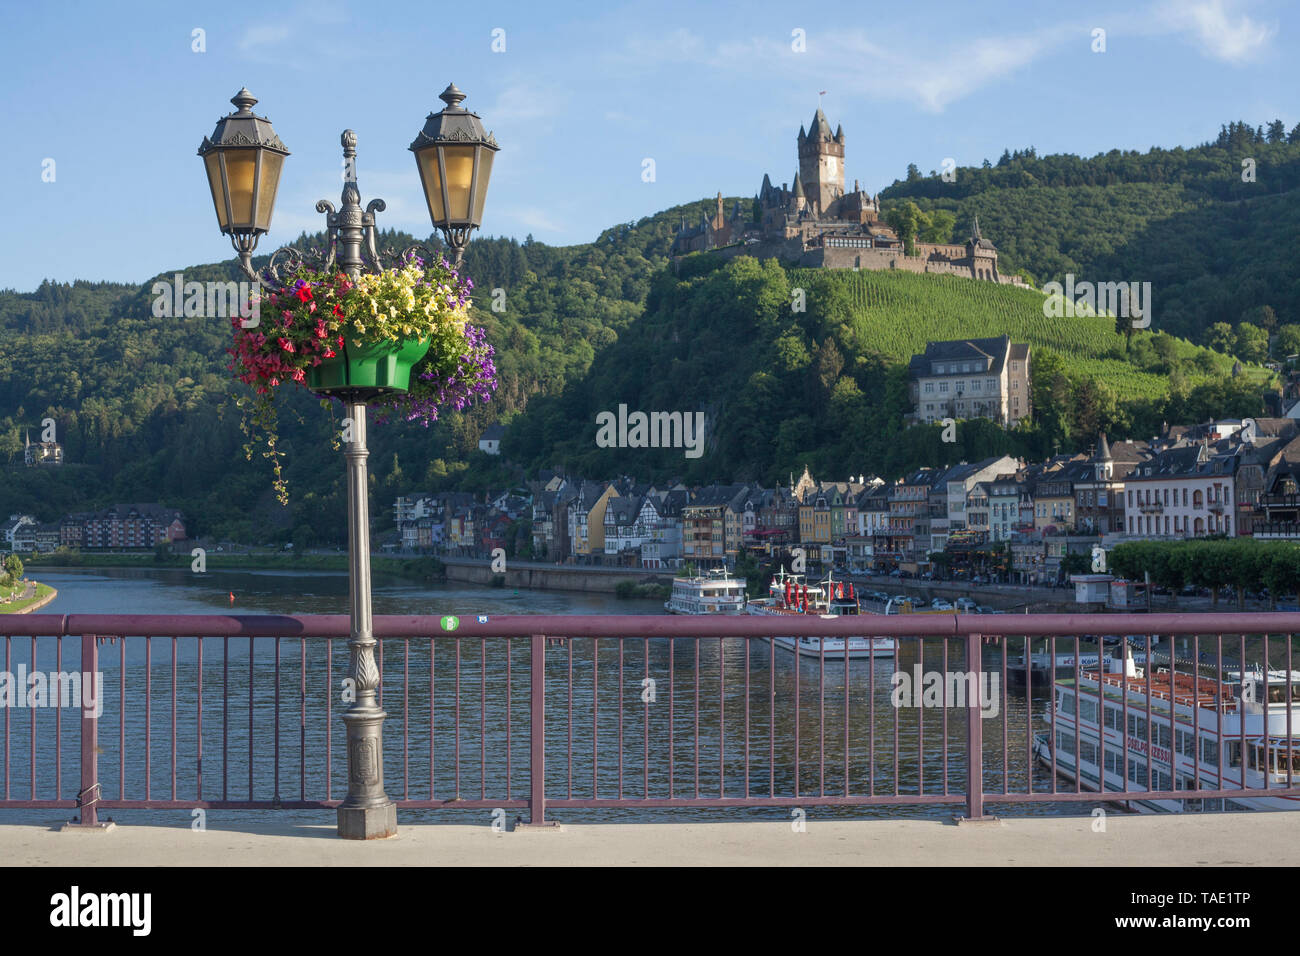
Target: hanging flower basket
(400,338)
(380,367)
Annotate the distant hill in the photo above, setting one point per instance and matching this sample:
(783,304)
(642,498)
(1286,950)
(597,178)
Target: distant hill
(1215,248)
(828,385)
(146,410)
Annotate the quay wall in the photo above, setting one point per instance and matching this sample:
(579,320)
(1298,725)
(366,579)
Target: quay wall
(550,577)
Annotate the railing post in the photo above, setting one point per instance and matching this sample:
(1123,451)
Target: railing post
(89,794)
(975,735)
(537,738)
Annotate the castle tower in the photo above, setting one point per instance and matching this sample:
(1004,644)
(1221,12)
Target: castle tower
(821,163)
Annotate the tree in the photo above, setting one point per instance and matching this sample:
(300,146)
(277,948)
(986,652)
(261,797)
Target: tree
(14,567)
(1251,343)
(1262,316)
(1287,341)
(937,226)
(1220,337)
(906,220)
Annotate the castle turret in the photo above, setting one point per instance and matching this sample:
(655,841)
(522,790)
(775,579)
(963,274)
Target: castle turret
(821,163)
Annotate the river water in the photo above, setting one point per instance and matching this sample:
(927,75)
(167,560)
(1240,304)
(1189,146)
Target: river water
(459,711)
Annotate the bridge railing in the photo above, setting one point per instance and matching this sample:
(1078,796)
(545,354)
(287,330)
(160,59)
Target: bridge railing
(530,713)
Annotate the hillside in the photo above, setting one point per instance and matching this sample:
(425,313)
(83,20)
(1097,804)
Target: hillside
(147,412)
(828,386)
(1215,248)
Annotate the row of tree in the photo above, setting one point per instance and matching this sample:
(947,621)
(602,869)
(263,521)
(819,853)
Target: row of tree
(1239,563)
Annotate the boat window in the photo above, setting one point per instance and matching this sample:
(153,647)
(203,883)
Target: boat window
(1232,753)
(1137,726)
(1210,751)
(1113,717)
(1277,693)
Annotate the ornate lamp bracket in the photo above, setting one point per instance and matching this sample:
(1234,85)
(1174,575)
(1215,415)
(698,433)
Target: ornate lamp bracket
(351,231)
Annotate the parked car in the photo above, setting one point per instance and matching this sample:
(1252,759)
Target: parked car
(965,604)
(903,599)
(895,573)
(939,604)
(880,596)
(979,579)
(985,609)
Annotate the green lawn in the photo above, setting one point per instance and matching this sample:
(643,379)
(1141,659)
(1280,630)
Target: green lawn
(14,607)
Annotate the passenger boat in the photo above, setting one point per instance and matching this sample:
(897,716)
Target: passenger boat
(1196,732)
(714,592)
(790,596)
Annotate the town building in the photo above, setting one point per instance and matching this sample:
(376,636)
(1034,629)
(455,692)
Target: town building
(122,527)
(972,378)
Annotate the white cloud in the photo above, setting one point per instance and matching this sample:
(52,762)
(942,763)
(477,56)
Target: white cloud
(1220,32)
(531,217)
(524,102)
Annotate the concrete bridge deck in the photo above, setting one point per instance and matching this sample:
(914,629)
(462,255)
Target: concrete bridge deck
(1232,839)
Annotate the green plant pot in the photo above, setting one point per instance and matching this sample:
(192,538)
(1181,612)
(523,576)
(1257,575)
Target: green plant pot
(377,369)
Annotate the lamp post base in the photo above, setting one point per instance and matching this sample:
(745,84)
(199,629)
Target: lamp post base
(368,823)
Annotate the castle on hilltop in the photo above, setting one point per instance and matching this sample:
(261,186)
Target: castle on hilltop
(815,223)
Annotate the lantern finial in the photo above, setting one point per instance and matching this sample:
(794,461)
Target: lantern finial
(244,100)
(451,96)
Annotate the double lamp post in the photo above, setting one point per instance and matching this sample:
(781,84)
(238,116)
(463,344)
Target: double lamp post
(244,158)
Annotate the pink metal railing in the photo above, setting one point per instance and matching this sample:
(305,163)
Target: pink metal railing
(741,723)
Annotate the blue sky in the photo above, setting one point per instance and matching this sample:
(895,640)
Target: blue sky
(581,95)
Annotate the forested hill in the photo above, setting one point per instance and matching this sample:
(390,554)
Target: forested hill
(827,386)
(145,407)
(1214,237)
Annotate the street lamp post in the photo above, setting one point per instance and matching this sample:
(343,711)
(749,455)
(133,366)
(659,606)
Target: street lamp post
(243,159)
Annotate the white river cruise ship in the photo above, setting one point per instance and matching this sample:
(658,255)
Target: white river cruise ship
(1221,732)
(714,592)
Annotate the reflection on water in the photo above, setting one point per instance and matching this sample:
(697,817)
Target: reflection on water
(638,718)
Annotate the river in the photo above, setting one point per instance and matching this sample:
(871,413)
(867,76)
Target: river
(479,698)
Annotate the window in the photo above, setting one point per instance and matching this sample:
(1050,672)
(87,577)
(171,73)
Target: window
(1130,497)
(1065,742)
(991,384)
(975,385)
(929,386)
(1015,366)
(1015,383)
(943,386)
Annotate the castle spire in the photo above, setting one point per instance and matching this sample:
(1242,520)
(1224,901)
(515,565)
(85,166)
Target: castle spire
(976,234)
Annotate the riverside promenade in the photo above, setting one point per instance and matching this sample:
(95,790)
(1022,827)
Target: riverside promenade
(1221,839)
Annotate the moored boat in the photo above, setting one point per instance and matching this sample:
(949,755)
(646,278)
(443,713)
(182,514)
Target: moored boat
(789,596)
(714,592)
(1171,731)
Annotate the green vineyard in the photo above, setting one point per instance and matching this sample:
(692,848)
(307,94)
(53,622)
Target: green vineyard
(896,313)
